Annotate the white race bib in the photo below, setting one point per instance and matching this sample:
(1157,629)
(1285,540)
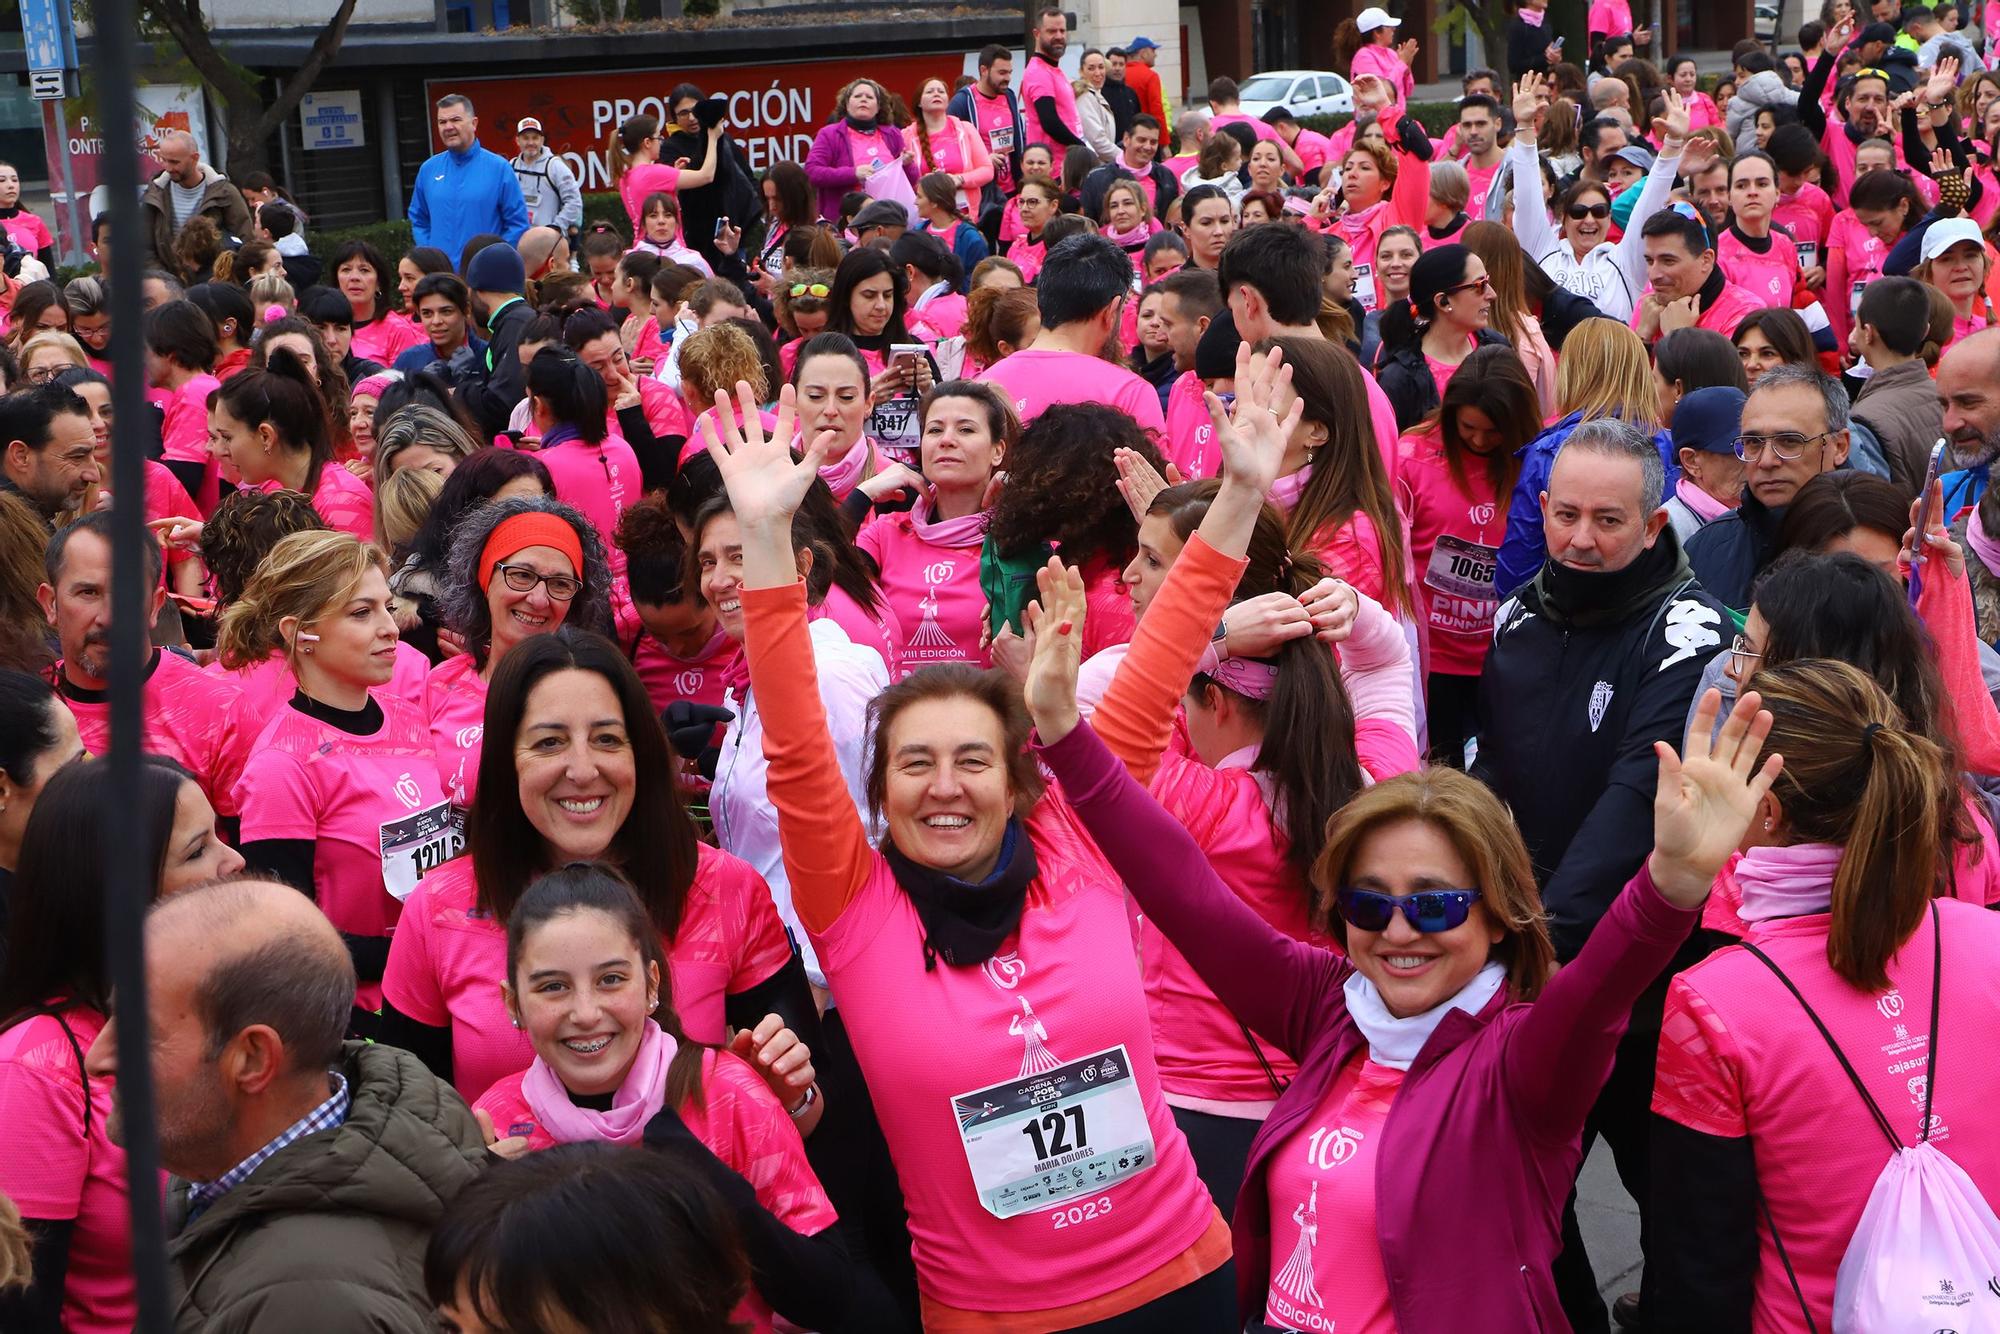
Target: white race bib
(1001,140)
(1035,1142)
(1808,255)
(1364,285)
(415,844)
(896,430)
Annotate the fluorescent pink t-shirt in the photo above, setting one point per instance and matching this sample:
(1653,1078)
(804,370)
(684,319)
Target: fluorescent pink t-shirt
(184,435)
(600,480)
(1190,438)
(455,704)
(1027,256)
(645,179)
(189,716)
(1808,216)
(341,498)
(28,231)
(1769,277)
(1739,1058)
(1035,380)
(1313,149)
(1264,133)
(308,779)
(739,1119)
(930,576)
(1064,988)
(383,340)
(166,498)
(1613,18)
(1042,79)
(1482,182)
(1702,113)
(55,1171)
(1385,64)
(269,685)
(699,679)
(448,959)
(1455,534)
(1332,1277)
(995,119)
(1854,258)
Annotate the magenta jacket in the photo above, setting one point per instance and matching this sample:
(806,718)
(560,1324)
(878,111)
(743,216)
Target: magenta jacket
(830,165)
(1483,1140)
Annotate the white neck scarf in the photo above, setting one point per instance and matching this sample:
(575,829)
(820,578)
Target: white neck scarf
(1395,1042)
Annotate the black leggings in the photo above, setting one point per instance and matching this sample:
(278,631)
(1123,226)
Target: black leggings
(851,1158)
(1221,1149)
(1205,1306)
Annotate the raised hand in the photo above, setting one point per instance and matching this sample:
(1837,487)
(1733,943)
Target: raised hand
(1943,82)
(1642,36)
(766,485)
(1708,795)
(1942,163)
(1252,435)
(1842,34)
(1696,154)
(1937,536)
(1528,97)
(1406,50)
(1055,623)
(1674,124)
(1138,482)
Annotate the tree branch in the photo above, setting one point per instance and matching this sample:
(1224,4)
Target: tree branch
(294,89)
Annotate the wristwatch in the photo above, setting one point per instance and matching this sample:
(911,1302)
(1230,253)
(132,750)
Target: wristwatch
(805,1103)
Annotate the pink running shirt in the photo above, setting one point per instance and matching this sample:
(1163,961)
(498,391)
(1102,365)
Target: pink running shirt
(1036,380)
(383,340)
(455,703)
(699,679)
(191,717)
(1040,79)
(448,959)
(1769,277)
(1455,546)
(341,498)
(184,435)
(645,179)
(269,685)
(930,577)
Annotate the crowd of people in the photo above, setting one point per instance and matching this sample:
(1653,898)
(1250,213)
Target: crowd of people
(1064,674)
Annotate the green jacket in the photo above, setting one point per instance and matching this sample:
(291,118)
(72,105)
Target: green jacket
(328,1234)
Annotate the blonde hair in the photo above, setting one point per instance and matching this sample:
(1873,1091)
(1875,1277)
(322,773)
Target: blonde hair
(17,1249)
(55,338)
(303,576)
(269,290)
(1483,834)
(1605,372)
(403,503)
(714,359)
(783,303)
(1450,185)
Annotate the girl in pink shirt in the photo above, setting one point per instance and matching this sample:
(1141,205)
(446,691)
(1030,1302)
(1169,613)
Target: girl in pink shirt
(730,961)
(1380,188)
(62,1169)
(584,977)
(683,654)
(381,332)
(180,351)
(929,555)
(633,150)
(1751,253)
(1258,805)
(340,796)
(1884,206)
(270,427)
(1454,481)
(519,568)
(1038,200)
(947,144)
(1022,991)
(1378,56)
(1773,1144)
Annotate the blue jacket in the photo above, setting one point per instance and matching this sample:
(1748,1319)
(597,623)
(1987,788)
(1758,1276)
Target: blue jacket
(1523,550)
(969,245)
(460,195)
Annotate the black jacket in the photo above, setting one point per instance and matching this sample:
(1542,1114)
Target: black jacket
(733,194)
(1528,47)
(1728,554)
(1100,180)
(1405,376)
(1124,104)
(1587,671)
(491,399)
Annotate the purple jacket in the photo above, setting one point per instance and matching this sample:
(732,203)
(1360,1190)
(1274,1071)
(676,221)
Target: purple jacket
(830,165)
(1481,1146)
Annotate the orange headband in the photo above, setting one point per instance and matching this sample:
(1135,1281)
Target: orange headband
(535,528)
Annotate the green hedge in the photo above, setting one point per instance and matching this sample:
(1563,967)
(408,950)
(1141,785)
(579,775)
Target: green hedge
(392,238)
(1436,117)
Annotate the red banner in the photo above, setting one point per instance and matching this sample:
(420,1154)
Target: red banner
(774,110)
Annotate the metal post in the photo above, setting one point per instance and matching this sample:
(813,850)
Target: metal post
(391,151)
(130,882)
(79,217)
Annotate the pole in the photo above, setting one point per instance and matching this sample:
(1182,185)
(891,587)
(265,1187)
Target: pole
(130,887)
(78,217)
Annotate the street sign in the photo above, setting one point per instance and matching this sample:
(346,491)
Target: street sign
(331,120)
(48,85)
(46,34)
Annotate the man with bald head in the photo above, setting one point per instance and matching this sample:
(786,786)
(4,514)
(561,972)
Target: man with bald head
(1968,389)
(308,1170)
(185,187)
(544,251)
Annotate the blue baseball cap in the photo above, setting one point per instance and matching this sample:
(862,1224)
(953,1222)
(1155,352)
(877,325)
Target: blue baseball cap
(1709,419)
(1142,44)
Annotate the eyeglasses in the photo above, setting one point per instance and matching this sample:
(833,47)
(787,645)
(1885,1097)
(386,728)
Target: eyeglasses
(44,374)
(1581,211)
(811,289)
(1741,654)
(1787,445)
(1429,911)
(1482,283)
(523,578)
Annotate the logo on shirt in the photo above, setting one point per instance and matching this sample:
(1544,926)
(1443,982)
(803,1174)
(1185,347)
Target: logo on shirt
(1005,971)
(1480,515)
(929,640)
(1036,1058)
(465,738)
(1295,1280)
(1600,700)
(408,792)
(1890,1004)
(688,683)
(1691,627)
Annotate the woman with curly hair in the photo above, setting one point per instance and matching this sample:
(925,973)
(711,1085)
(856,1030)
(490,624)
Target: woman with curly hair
(489,475)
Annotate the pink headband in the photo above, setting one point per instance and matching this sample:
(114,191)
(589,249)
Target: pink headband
(1249,677)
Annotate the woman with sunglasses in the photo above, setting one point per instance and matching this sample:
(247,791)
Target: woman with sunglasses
(1581,258)
(518,568)
(1427,338)
(1440,1039)
(633,150)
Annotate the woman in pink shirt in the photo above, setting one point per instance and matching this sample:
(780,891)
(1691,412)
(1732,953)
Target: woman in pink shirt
(683,654)
(518,568)
(594,470)
(1276,744)
(585,980)
(1380,187)
(582,772)
(62,1169)
(928,555)
(947,144)
(1882,206)
(1454,481)
(1769,1142)
(989,915)
(633,151)
(1377,54)
(860,143)
(1038,200)
(180,353)
(270,428)
(1750,252)
(381,332)
(1683,73)
(340,796)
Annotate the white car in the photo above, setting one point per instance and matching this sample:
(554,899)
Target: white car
(1303,92)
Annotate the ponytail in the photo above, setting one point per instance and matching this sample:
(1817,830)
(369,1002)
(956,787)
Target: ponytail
(1436,272)
(574,392)
(624,143)
(282,393)
(1856,775)
(303,574)
(1347,41)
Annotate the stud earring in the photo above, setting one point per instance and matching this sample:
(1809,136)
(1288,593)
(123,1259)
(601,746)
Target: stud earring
(652,1005)
(1767,826)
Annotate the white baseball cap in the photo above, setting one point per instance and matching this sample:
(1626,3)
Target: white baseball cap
(528,123)
(1373,17)
(1945,234)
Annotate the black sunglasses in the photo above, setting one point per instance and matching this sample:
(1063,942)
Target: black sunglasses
(1582,211)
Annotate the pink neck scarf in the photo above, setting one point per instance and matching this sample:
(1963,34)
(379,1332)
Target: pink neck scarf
(845,473)
(968,530)
(638,1099)
(1285,492)
(1140,233)
(1706,507)
(1982,546)
(1792,881)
